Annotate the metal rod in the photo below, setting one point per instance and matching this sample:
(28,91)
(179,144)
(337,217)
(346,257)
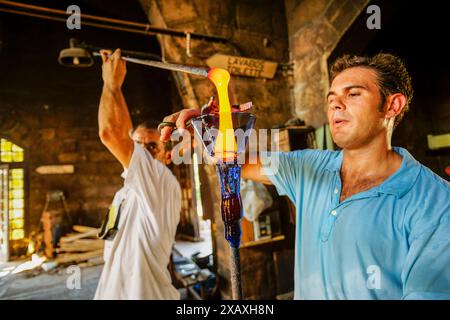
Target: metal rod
(34,15)
(74,43)
(86,23)
(235,268)
(147,28)
(168,66)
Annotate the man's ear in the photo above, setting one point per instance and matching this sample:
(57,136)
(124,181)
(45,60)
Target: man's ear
(167,158)
(396,103)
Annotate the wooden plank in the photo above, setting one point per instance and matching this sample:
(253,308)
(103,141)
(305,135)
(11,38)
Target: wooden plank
(56,169)
(74,247)
(82,245)
(247,231)
(83,229)
(92,262)
(85,242)
(88,234)
(243,66)
(263,241)
(78,257)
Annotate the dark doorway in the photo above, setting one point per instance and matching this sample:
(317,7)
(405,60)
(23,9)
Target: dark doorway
(416,32)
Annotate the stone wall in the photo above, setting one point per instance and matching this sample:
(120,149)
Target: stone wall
(258,30)
(51,141)
(51,111)
(315,28)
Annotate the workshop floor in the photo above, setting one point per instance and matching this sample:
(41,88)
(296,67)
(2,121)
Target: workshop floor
(52,285)
(29,285)
(188,248)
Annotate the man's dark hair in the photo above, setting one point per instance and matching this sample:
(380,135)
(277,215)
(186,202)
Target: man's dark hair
(148,124)
(153,124)
(391,74)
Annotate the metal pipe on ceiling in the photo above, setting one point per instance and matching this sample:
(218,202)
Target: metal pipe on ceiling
(130,26)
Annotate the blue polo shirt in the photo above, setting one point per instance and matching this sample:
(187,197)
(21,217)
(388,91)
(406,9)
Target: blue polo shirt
(389,242)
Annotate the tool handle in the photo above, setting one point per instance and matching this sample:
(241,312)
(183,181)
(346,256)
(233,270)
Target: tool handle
(163,65)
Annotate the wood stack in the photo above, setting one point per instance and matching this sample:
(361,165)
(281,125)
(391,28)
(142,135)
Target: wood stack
(51,220)
(81,246)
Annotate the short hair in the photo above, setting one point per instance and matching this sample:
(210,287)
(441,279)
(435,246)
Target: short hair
(153,125)
(391,74)
(147,124)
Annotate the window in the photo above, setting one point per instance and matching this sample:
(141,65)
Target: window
(10,152)
(13,156)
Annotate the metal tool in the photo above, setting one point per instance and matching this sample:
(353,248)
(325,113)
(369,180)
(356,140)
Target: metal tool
(79,55)
(164,65)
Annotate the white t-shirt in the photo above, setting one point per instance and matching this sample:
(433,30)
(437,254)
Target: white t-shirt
(136,259)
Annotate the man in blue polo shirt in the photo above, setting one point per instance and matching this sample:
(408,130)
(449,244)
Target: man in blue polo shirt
(372,222)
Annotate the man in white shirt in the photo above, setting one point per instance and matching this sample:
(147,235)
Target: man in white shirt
(148,206)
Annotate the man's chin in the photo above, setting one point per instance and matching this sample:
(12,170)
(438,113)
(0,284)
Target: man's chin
(343,142)
(338,139)
(341,145)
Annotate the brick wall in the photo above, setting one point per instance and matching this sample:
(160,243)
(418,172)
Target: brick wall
(51,111)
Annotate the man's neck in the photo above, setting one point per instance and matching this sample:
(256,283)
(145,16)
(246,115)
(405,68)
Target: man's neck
(373,159)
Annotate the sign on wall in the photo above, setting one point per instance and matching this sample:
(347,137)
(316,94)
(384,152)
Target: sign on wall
(243,66)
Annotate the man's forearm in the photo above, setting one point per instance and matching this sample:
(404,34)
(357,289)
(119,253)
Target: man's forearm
(113,115)
(115,124)
(255,172)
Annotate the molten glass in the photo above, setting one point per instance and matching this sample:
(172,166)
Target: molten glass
(225,146)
